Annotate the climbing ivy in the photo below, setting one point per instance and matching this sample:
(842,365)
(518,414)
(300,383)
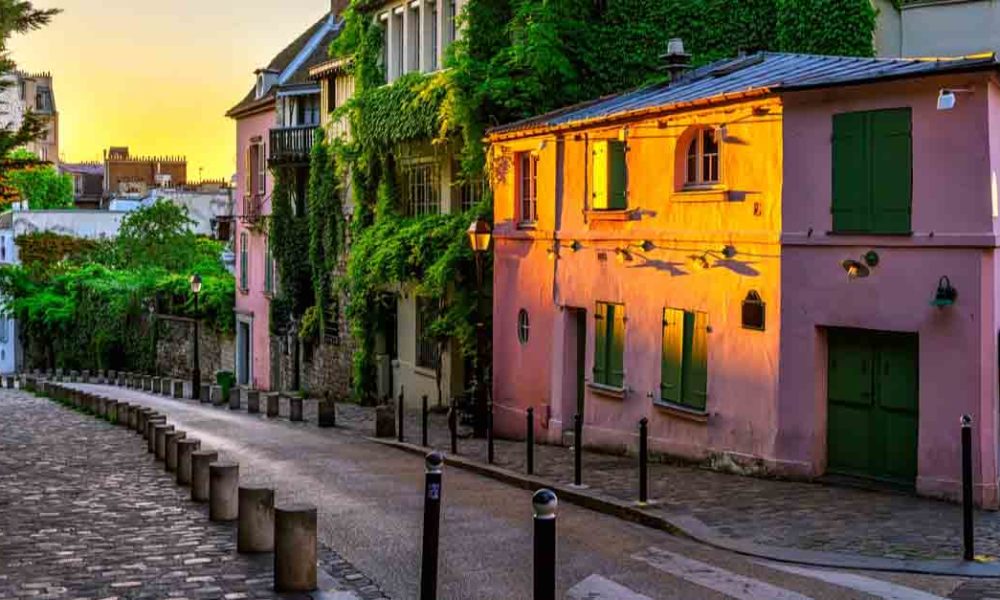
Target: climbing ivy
(325,212)
(289,238)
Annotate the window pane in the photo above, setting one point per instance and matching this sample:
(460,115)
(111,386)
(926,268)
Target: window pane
(710,159)
(692,161)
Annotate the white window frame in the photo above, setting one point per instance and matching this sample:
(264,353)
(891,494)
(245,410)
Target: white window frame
(698,178)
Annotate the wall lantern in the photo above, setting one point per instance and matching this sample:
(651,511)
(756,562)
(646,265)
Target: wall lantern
(855,269)
(946,294)
(622,255)
(699,262)
(753,312)
(480,235)
(947,99)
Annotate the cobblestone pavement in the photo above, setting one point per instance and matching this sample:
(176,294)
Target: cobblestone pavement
(86,513)
(803,515)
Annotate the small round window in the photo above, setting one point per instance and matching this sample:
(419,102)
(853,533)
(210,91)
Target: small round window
(523,326)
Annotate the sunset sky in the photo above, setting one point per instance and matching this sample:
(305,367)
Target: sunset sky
(158,76)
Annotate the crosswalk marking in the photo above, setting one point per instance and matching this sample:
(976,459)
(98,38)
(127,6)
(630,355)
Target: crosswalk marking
(868,585)
(596,587)
(714,578)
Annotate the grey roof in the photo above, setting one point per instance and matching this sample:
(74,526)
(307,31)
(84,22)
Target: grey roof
(766,72)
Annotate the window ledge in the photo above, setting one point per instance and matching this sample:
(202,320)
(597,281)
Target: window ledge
(682,412)
(607,390)
(609,215)
(868,233)
(425,372)
(527,225)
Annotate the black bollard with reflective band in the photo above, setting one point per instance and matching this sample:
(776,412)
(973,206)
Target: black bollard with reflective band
(545,502)
(577,450)
(529,441)
(968,544)
(453,426)
(400,416)
(432,526)
(423,420)
(643,460)
(490,454)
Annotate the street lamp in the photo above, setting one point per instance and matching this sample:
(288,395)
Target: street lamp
(480,235)
(196,371)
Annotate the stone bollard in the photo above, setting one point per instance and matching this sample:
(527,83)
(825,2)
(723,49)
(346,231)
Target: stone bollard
(10,382)
(185,448)
(124,414)
(74,376)
(170,449)
(272,403)
(178,389)
(385,421)
(253,402)
(295,548)
(111,408)
(327,413)
(161,440)
(152,420)
(85,376)
(138,419)
(295,408)
(235,403)
(147,383)
(217,399)
(205,397)
(158,385)
(167,387)
(200,460)
(256,528)
(223,495)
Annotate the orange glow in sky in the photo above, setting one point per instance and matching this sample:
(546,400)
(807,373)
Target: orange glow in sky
(158,76)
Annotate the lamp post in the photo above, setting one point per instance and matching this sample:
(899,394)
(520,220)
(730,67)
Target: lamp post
(155,333)
(480,236)
(196,370)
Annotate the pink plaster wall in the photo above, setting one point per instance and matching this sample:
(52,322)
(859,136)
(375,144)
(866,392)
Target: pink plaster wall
(953,227)
(254,302)
(742,364)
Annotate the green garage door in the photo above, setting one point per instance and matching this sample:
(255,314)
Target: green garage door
(872,415)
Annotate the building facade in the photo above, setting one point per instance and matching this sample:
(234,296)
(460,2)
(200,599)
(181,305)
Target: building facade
(936,27)
(760,259)
(126,175)
(32,92)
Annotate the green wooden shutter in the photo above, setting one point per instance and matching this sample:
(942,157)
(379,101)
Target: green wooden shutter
(601,344)
(616,345)
(891,170)
(851,190)
(694,373)
(617,176)
(673,355)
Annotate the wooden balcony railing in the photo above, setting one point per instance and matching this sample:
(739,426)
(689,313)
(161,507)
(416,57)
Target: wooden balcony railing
(253,208)
(291,145)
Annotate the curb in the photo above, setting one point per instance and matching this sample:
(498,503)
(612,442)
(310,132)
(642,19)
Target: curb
(691,527)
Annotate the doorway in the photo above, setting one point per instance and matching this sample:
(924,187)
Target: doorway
(243,353)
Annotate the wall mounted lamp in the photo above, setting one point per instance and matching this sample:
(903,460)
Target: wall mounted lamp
(946,294)
(947,99)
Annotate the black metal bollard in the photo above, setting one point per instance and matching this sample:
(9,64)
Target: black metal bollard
(490,455)
(643,460)
(432,526)
(967,535)
(400,415)
(530,442)
(453,426)
(577,450)
(544,503)
(423,420)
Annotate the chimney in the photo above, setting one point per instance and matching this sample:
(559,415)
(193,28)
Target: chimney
(676,62)
(337,7)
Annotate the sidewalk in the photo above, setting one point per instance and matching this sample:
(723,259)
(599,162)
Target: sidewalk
(785,519)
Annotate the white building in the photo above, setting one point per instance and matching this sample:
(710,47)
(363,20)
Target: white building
(91,224)
(937,27)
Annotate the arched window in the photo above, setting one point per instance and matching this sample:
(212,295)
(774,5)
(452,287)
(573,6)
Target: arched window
(703,158)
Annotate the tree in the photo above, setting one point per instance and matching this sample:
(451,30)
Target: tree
(40,185)
(159,234)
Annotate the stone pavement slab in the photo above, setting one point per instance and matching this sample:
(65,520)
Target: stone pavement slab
(85,512)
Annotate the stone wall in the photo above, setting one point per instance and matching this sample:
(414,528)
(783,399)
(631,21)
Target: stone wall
(217,352)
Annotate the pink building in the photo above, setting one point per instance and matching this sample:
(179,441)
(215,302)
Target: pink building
(274,130)
(680,254)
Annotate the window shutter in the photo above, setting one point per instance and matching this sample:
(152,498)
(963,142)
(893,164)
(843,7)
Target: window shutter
(851,189)
(673,355)
(617,176)
(891,170)
(600,176)
(616,345)
(247,171)
(600,344)
(695,370)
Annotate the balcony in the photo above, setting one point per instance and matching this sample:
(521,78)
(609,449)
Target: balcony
(291,145)
(253,209)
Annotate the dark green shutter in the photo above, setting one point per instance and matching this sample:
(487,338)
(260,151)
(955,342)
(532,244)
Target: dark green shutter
(617,176)
(616,345)
(695,370)
(673,355)
(601,344)
(851,189)
(891,170)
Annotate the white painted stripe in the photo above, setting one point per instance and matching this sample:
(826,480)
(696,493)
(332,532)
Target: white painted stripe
(714,578)
(596,587)
(868,585)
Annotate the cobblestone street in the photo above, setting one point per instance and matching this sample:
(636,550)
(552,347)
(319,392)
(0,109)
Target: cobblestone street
(85,512)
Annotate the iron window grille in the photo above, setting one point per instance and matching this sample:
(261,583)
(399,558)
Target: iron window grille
(421,186)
